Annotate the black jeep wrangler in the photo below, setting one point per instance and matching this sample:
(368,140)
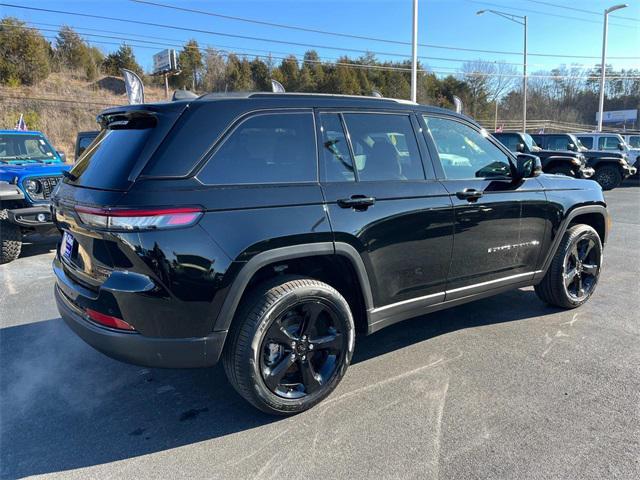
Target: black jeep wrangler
(267,229)
(571,164)
(611,168)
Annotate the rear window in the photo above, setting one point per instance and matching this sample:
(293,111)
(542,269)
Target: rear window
(265,148)
(124,145)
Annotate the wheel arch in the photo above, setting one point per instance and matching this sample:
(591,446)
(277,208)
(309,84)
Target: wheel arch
(337,264)
(595,216)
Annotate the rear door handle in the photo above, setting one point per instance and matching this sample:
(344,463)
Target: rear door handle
(359,202)
(470,194)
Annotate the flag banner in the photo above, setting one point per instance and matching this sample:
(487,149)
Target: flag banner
(458,104)
(134,86)
(21,125)
(276,86)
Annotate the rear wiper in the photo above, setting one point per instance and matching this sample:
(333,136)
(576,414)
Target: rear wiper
(69,175)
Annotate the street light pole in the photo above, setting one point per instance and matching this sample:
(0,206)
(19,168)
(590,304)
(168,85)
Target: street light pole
(520,20)
(414,54)
(524,80)
(604,57)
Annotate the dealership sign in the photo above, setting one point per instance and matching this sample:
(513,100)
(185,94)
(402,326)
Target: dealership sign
(618,116)
(165,61)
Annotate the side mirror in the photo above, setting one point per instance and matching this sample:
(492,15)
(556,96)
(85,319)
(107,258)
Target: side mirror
(621,146)
(527,166)
(62,155)
(571,146)
(520,148)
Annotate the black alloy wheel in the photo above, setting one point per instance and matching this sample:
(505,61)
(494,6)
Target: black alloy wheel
(302,349)
(581,268)
(608,176)
(575,269)
(290,344)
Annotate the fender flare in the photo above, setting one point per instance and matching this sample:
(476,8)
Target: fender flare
(243,277)
(600,209)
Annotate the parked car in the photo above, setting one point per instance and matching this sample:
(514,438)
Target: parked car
(611,168)
(610,142)
(267,229)
(572,164)
(29,170)
(83,140)
(632,139)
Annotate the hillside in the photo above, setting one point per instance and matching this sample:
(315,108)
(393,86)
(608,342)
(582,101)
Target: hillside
(63,104)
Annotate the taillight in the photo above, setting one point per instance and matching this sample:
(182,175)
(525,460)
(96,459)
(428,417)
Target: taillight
(108,320)
(139,219)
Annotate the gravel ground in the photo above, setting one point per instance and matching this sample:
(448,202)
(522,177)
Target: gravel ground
(504,387)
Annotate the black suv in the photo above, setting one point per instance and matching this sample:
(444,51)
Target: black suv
(267,229)
(611,168)
(572,164)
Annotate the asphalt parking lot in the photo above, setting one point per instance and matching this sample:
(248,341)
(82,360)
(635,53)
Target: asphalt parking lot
(505,387)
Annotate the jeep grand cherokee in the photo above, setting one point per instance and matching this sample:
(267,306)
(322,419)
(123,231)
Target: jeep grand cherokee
(267,229)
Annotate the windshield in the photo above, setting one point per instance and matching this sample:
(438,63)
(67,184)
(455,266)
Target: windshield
(531,143)
(21,147)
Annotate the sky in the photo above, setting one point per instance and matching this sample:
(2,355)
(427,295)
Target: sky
(555,28)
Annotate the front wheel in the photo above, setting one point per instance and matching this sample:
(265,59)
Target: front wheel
(289,345)
(10,239)
(608,176)
(575,269)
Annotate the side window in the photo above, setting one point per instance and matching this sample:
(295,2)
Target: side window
(608,143)
(509,141)
(336,158)
(586,142)
(466,153)
(634,141)
(384,146)
(265,148)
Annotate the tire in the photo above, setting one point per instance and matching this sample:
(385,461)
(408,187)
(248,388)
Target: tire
(10,239)
(568,283)
(562,170)
(608,176)
(268,360)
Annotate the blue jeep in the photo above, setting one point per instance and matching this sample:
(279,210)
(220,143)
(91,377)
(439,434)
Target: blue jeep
(29,170)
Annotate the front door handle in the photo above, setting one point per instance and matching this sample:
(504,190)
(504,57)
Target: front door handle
(470,194)
(359,202)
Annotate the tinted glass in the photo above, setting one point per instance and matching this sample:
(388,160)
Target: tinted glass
(25,147)
(466,153)
(586,141)
(385,147)
(608,143)
(634,141)
(336,158)
(558,143)
(267,148)
(109,161)
(508,140)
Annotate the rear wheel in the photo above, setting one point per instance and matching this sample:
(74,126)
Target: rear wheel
(608,176)
(10,239)
(575,269)
(290,345)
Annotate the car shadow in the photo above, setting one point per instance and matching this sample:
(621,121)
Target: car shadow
(65,406)
(38,244)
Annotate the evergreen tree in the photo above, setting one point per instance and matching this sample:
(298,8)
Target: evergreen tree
(24,54)
(190,63)
(122,58)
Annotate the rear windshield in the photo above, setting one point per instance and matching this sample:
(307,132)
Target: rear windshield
(122,148)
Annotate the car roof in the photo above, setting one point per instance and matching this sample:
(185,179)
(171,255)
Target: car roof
(21,132)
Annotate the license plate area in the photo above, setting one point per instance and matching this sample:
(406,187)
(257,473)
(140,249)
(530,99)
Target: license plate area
(67,245)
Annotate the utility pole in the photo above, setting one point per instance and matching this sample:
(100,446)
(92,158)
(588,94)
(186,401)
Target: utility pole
(524,81)
(414,54)
(604,57)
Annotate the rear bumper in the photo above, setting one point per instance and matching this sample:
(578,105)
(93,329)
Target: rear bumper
(133,347)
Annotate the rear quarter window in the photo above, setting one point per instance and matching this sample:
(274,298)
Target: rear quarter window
(265,148)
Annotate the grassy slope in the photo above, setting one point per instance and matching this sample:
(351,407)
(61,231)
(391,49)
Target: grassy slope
(61,121)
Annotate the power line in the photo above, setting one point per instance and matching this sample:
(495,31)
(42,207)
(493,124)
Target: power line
(581,10)
(547,14)
(246,37)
